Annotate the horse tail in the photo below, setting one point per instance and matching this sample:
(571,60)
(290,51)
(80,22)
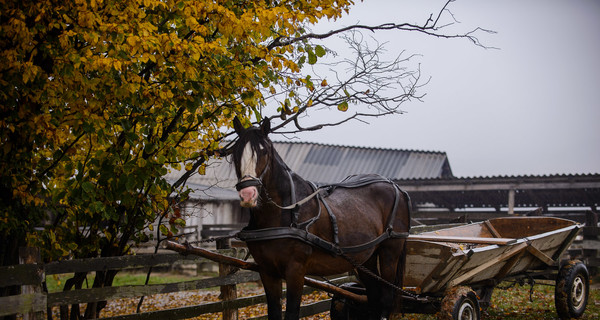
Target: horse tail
(400,268)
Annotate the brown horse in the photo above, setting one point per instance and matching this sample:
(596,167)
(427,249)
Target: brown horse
(296,229)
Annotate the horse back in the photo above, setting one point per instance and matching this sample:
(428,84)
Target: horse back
(364,206)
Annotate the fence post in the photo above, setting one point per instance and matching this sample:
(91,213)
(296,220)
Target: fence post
(227,292)
(31,255)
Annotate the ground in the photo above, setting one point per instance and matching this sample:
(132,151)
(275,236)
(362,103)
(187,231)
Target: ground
(507,304)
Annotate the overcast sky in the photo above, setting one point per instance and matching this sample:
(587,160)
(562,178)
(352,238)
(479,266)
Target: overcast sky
(532,107)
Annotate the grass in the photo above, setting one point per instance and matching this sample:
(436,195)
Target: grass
(55,283)
(514,304)
(509,304)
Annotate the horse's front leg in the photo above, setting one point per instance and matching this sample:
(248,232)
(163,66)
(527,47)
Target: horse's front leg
(272,286)
(294,285)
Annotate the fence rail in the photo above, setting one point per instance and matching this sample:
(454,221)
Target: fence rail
(34,304)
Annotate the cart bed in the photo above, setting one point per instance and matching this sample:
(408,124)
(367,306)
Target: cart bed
(488,251)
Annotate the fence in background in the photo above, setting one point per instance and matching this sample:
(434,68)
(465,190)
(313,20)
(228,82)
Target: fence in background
(32,303)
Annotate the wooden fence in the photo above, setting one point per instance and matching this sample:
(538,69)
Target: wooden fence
(33,302)
(587,246)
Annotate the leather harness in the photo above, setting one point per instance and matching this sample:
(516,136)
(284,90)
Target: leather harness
(300,231)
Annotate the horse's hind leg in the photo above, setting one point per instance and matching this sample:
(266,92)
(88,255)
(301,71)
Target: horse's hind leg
(391,266)
(373,287)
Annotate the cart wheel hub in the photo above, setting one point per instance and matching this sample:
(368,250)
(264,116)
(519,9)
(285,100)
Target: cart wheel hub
(578,292)
(466,312)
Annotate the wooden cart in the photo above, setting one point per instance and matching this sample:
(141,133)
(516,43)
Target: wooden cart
(453,271)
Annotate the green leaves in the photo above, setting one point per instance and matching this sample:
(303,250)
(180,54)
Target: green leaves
(343,106)
(318,52)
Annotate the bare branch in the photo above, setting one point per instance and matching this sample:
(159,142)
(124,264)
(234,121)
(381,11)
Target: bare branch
(431,27)
(376,86)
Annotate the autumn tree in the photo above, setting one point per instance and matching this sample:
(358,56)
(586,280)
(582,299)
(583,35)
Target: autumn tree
(99,99)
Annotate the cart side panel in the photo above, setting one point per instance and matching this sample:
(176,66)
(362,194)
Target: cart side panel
(469,230)
(548,245)
(480,257)
(520,227)
(427,262)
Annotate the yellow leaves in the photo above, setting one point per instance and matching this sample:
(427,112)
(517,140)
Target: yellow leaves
(166,94)
(29,71)
(86,19)
(202,169)
(123,70)
(133,41)
(195,54)
(91,37)
(103,64)
(191,22)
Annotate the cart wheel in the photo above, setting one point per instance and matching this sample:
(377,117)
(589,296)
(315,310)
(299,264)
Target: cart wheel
(460,303)
(345,309)
(572,289)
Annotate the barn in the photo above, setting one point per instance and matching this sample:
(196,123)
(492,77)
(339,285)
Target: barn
(214,201)
(437,195)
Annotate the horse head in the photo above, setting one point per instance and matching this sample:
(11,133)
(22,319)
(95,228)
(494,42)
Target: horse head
(252,155)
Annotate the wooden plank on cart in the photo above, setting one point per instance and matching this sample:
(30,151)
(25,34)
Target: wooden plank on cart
(505,256)
(457,239)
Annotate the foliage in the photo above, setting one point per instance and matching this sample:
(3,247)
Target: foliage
(100,98)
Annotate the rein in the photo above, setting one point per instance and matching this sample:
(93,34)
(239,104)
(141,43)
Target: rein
(297,204)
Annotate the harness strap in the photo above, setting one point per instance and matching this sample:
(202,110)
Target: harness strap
(248,183)
(347,183)
(311,239)
(333,219)
(301,232)
(301,202)
(296,209)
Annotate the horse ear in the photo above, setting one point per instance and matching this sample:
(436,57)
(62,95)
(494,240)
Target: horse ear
(237,125)
(265,126)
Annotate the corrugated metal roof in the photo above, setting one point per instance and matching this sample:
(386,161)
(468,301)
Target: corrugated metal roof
(330,164)
(324,164)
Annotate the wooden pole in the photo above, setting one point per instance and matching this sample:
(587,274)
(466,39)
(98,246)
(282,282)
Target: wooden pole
(186,249)
(228,292)
(31,255)
(511,201)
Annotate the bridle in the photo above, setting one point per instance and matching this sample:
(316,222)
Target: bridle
(249,180)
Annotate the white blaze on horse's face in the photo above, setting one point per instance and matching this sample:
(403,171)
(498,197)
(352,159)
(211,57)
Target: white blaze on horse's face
(248,195)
